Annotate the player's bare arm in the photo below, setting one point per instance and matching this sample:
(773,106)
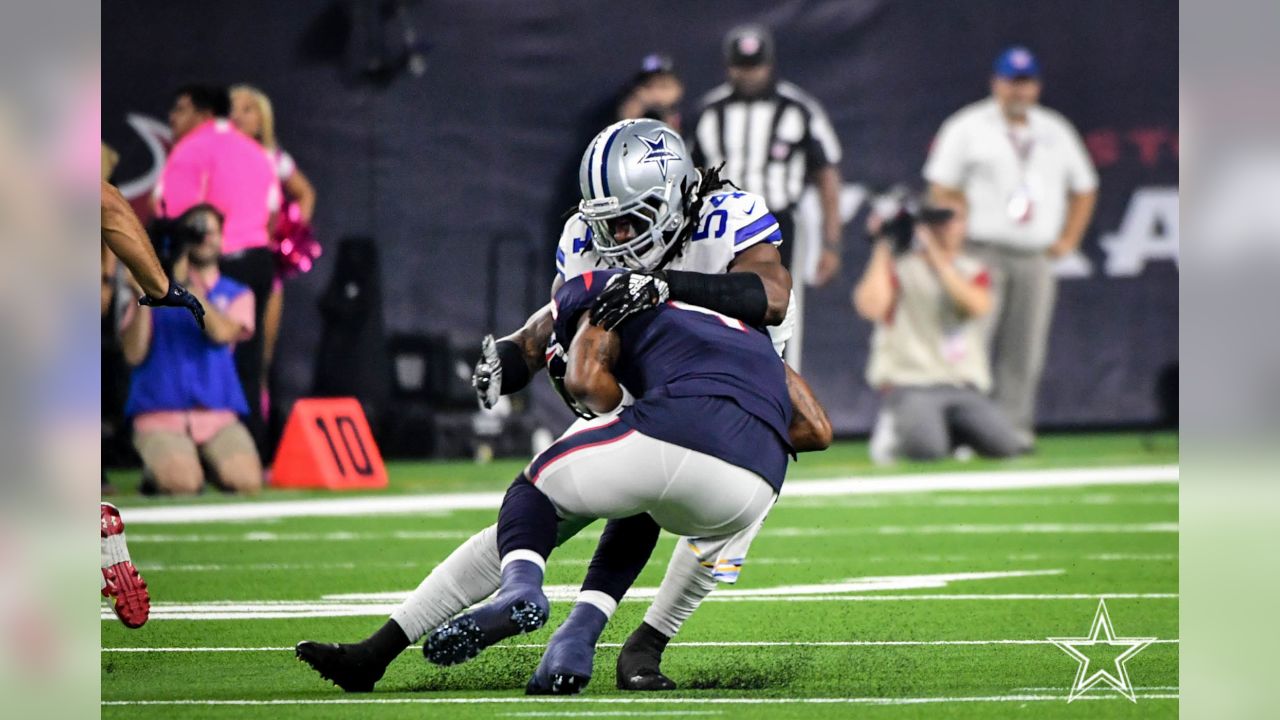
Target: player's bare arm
(590,378)
(125,237)
(810,428)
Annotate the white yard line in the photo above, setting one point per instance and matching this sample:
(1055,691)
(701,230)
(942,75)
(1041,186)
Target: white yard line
(260,610)
(976,500)
(692,644)
(978,529)
(579,561)
(875,583)
(513,700)
(774,531)
(362,566)
(414,504)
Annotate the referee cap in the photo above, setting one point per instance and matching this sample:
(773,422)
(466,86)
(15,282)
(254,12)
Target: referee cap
(748,45)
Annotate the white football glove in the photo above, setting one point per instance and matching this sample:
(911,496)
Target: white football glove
(487,376)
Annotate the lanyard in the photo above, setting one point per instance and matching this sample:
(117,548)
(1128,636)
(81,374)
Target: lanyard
(1022,149)
(1020,205)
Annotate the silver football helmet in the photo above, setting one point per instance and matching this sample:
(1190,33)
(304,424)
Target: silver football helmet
(637,182)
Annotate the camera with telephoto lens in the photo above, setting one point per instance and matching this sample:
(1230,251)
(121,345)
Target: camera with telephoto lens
(899,211)
(171,237)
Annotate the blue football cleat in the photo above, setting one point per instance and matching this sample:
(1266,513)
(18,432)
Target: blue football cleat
(565,668)
(520,607)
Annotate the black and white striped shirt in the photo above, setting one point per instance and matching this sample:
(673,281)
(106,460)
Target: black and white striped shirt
(769,145)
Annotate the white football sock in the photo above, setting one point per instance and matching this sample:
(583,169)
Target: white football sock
(525,555)
(683,588)
(469,575)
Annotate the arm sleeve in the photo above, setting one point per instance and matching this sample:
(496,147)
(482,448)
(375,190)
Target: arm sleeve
(945,165)
(739,295)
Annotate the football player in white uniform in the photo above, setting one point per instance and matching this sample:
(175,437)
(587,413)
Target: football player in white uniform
(684,235)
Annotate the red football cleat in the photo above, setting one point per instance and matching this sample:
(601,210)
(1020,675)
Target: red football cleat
(120,579)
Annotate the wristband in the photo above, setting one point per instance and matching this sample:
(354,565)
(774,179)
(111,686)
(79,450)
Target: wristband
(515,371)
(739,295)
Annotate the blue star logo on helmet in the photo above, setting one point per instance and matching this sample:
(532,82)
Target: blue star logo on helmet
(657,152)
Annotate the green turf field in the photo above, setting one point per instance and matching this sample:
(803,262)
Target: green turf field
(926,603)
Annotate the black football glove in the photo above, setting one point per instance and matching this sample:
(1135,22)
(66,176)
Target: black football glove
(177,297)
(487,376)
(628,294)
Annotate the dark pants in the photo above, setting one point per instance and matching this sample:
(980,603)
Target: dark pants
(256,268)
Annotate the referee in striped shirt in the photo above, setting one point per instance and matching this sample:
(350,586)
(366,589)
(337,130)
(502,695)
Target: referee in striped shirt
(773,139)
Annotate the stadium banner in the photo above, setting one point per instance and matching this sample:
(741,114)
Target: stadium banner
(462,151)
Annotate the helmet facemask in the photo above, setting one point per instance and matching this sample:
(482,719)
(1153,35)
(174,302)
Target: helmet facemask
(655,217)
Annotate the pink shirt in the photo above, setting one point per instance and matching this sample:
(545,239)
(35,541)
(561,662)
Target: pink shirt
(217,164)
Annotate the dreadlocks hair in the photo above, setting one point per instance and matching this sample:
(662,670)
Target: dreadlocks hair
(709,181)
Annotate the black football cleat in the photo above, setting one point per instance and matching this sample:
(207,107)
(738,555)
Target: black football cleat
(350,667)
(640,662)
(645,681)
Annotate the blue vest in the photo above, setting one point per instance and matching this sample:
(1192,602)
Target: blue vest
(184,370)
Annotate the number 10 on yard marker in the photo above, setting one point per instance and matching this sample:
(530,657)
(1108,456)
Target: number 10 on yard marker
(327,444)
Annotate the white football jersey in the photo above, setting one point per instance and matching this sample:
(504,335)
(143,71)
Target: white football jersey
(730,222)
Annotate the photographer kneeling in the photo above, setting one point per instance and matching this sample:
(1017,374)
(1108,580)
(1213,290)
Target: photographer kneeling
(185,398)
(928,352)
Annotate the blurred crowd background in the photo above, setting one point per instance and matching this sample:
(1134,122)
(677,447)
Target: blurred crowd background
(425,153)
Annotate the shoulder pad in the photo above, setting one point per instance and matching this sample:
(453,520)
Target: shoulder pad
(741,217)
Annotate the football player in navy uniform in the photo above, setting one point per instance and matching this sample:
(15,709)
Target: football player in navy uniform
(680,234)
(702,450)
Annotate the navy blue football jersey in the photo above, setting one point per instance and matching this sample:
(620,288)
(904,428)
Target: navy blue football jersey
(702,380)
